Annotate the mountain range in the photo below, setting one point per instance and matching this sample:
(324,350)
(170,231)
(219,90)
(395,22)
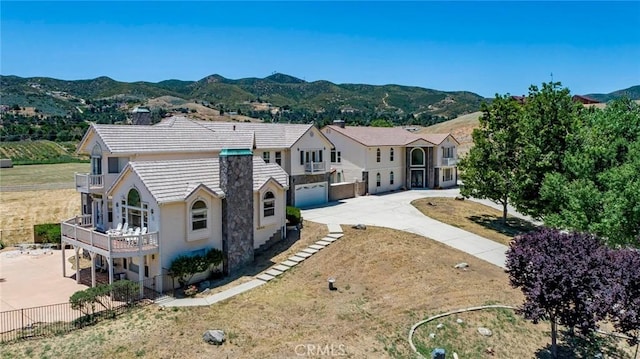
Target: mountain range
(255,97)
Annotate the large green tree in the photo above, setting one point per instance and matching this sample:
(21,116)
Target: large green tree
(490,168)
(598,189)
(549,119)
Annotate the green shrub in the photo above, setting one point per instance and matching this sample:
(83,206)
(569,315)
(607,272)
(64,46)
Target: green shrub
(184,267)
(293,215)
(47,233)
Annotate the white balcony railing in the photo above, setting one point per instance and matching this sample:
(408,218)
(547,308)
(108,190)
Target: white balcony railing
(448,161)
(86,182)
(314,167)
(79,231)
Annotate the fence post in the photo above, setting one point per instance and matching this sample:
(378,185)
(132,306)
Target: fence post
(22,322)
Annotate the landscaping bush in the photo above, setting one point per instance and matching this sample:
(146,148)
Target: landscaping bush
(293,216)
(47,233)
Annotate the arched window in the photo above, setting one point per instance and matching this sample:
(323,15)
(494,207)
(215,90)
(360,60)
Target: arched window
(391,154)
(391,177)
(378,180)
(133,198)
(269,204)
(198,215)
(378,155)
(417,157)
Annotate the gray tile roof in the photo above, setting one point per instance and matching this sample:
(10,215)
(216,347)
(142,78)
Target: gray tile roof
(385,136)
(174,137)
(268,135)
(174,180)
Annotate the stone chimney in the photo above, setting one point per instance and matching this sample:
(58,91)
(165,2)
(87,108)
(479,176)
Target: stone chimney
(236,180)
(339,123)
(141,116)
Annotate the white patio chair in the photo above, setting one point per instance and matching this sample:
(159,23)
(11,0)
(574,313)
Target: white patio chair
(125,227)
(115,230)
(136,231)
(144,230)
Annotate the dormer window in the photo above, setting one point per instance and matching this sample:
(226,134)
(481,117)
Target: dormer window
(198,216)
(269,204)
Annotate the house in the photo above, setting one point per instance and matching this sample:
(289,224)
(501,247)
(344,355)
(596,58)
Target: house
(391,158)
(188,187)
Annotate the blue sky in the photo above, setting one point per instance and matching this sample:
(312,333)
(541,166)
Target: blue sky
(484,47)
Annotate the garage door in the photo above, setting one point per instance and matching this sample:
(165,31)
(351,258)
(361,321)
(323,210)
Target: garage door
(311,194)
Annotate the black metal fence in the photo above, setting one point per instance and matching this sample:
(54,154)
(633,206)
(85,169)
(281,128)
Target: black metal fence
(61,318)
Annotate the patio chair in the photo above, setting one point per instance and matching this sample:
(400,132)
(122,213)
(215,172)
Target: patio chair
(136,231)
(144,230)
(125,227)
(115,230)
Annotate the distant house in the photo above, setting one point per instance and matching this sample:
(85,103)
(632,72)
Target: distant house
(584,100)
(391,158)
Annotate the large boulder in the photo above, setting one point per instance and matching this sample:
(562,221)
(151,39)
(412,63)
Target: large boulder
(213,337)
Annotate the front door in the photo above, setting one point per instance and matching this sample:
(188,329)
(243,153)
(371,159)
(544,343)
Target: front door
(417,178)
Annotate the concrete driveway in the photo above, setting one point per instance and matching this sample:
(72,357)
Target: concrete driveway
(394,210)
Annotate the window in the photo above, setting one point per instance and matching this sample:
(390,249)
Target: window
(269,204)
(96,160)
(448,174)
(266,156)
(391,177)
(314,156)
(113,165)
(378,180)
(279,158)
(336,156)
(301,158)
(133,198)
(110,211)
(378,155)
(391,155)
(417,157)
(447,152)
(198,216)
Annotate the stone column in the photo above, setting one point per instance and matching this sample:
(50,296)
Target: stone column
(236,180)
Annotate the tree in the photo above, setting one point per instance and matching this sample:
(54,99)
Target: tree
(380,122)
(562,276)
(623,296)
(548,121)
(599,189)
(490,168)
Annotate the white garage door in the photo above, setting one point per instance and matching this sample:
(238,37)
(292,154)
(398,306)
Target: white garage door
(311,194)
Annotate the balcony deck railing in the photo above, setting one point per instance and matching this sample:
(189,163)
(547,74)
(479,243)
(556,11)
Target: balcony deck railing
(79,231)
(86,182)
(448,161)
(314,167)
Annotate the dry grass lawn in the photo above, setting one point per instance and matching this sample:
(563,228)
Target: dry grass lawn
(19,211)
(42,174)
(473,217)
(387,280)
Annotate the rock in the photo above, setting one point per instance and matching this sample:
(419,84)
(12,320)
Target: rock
(459,321)
(440,326)
(213,337)
(207,290)
(430,203)
(461,265)
(204,285)
(459,198)
(432,335)
(485,331)
(359,226)
(490,351)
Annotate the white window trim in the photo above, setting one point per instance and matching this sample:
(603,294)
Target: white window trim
(424,156)
(202,233)
(267,220)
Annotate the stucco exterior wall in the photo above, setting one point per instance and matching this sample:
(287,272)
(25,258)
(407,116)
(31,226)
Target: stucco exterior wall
(338,191)
(311,140)
(265,227)
(384,168)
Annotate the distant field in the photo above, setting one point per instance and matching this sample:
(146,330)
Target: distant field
(38,152)
(35,175)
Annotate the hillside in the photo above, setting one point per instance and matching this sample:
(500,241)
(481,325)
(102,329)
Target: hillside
(275,97)
(632,92)
(460,127)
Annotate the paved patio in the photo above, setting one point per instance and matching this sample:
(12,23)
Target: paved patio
(28,280)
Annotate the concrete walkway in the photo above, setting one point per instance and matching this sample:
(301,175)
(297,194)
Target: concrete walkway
(394,210)
(335,232)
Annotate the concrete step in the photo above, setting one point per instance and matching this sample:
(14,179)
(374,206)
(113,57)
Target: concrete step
(282,268)
(334,228)
(323,243)
(273,272)
(310,250)
(289,263)
(316,246)
(297,259)
(303,254)
(265,277)
(329,239)
(335,235)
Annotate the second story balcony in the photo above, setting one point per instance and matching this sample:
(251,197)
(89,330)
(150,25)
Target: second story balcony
(79,231)
(88,183)
(448,161)
(314,167)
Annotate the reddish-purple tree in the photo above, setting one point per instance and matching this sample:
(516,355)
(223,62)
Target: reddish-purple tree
(562,276)
(623,294)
